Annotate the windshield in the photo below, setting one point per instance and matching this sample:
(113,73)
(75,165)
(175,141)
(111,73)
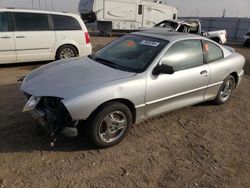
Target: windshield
(130,53)
(167,24)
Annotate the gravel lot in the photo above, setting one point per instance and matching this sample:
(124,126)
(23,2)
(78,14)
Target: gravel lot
(199,146)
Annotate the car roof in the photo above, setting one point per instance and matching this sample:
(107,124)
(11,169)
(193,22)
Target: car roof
(162,33)
(36,11)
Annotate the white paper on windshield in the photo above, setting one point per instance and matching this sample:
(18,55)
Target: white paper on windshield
(150,43)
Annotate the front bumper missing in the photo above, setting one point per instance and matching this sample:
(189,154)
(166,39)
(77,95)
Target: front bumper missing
(52,114)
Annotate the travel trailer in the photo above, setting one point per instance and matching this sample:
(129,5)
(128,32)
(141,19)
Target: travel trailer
(125,15)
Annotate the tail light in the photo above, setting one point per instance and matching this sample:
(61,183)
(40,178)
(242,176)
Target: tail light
(87,37)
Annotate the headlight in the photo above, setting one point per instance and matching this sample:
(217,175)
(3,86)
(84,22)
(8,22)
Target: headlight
(31,104)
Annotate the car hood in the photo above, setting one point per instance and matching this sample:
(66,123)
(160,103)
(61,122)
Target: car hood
(69,77)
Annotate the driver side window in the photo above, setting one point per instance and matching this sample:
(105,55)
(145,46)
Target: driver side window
(184,54)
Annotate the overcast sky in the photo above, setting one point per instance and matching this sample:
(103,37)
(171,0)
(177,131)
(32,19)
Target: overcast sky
(210,8)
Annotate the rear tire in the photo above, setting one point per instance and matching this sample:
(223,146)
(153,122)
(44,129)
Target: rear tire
(217,40)
(225,91)
(66,52)
(246,44)
(109,125)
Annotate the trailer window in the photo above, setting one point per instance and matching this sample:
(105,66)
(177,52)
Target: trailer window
(140,9)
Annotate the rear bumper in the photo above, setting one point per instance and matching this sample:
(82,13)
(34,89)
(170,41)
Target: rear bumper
(85,50)
(240,76)
(223,39)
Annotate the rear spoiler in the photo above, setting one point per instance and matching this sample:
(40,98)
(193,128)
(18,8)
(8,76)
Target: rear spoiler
(229,48)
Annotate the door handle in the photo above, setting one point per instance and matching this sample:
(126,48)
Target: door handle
(203,72)
(5,37)
(20,37)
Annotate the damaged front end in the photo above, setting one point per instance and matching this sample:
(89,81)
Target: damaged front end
(51,113)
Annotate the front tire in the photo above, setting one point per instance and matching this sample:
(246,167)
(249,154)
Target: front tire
(225,91)
(109,125)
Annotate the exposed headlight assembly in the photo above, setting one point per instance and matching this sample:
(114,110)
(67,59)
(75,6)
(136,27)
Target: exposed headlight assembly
(31,104)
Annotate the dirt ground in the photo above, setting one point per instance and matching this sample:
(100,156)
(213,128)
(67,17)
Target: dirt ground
(199,146)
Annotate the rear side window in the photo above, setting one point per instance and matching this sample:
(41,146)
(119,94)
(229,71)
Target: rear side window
(3,22)
(184,54)
(214,52)
(31,22)
(62,23)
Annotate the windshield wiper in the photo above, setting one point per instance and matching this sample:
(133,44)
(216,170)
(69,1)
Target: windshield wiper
(111,64)
(107,62)
(103,61)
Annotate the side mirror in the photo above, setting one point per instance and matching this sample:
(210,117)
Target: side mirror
(163,69)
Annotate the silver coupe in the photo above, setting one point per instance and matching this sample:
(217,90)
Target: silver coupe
(135,77)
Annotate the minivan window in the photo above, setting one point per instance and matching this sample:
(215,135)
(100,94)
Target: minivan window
(31,22)
(214,52)
(184,54)
(3,22)
(62,23)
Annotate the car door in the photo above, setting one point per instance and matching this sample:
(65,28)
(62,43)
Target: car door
(33,37)
(186,86)
(7,45)
(219,69)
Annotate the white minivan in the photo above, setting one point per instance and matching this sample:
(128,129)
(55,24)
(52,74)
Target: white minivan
(32,35)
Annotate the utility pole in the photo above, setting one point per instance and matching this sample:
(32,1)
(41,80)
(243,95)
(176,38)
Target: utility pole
(45,2)
(224,13)
(52,4)
(39,4)
(32,4)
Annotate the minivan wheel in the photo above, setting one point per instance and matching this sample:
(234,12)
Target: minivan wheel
(226,90)
(66,52)
(110,125)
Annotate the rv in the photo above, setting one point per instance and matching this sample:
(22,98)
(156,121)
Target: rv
(125,15)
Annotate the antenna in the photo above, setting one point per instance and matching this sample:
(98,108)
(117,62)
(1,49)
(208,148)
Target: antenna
(224,13)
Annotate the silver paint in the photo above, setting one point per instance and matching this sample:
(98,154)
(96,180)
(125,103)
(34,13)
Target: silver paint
(84,84)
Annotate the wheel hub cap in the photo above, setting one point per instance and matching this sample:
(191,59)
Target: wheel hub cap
(67,53)
(113,126)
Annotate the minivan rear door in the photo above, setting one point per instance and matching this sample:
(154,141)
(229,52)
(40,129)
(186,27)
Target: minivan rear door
(33,37)
(7,45)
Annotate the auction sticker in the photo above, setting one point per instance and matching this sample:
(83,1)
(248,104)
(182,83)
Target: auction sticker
(150,43)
